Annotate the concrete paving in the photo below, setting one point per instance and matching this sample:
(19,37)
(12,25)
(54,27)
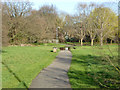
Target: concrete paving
(55,75)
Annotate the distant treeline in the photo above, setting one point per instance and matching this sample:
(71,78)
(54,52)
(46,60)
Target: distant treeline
(23,25)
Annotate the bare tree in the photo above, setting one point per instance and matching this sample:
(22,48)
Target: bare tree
(45,24)
(81,20)
(69,26)
(91,24)
(105,20)
(16,12)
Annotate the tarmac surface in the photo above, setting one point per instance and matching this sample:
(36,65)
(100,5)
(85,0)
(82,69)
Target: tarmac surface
(55,75)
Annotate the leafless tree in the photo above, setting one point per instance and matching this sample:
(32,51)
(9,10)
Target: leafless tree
(105,20)
(91,24)
(16,12)
(81,20)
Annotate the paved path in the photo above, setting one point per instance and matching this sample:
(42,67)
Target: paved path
(55,75)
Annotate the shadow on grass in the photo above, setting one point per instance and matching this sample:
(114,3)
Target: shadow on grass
(3,51)
(88,70)
(19,80)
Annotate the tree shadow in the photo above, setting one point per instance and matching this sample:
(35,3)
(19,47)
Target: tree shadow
(18,79)
(97,71)
(3,51)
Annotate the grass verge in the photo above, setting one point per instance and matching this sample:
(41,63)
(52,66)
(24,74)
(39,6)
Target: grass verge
(91,69)
(22,64)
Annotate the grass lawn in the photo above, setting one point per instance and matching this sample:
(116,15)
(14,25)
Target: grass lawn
(24,64)
(90,67)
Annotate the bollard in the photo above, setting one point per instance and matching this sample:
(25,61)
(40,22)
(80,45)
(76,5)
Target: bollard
(66,48)
(62,48)
(69,48)
(54,49)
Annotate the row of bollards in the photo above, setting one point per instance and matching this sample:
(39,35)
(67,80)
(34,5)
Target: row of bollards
(61,48)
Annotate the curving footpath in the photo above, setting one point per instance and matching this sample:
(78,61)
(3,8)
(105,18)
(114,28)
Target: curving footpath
(55,75)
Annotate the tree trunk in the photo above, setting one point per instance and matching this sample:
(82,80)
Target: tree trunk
(111,41)
(101,41)
(81,42)
(92,42)
(106,41)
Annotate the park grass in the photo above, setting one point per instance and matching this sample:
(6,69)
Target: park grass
(91,69)
(22,64)
(50,44)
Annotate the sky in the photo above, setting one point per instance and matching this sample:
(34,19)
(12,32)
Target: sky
(69,6)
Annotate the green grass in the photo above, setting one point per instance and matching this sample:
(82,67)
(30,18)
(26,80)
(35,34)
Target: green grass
(25,63)
(90,67)
(88,43)
(50,44)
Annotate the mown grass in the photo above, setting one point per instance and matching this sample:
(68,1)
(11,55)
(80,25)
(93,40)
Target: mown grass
(90,67)
(50,44)
(22,64)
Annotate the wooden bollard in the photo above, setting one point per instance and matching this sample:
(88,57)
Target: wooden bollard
(69,48)
(62,48)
